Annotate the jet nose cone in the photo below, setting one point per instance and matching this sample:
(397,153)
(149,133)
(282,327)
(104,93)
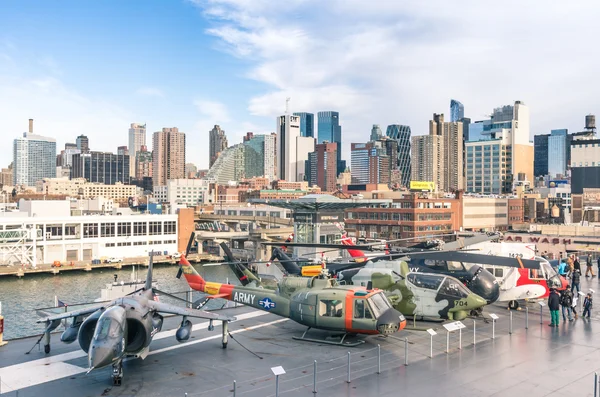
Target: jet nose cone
(100,356)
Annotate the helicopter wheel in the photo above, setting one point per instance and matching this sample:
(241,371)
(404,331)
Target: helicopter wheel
(46,349)
(513,305)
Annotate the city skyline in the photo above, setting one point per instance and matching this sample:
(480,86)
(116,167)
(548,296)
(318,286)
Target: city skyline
(247,69)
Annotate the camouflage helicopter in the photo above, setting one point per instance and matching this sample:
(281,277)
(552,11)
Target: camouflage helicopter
(416,294)
(316,302)
(420,295)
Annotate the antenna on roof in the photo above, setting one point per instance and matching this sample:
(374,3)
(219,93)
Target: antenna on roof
(287,105)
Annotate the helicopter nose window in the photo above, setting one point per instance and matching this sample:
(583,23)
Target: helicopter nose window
(330,308)
(453,288)
(428,281)
(361,310)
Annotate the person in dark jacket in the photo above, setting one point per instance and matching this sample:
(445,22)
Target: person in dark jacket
(589,266)
(575,280)
(576,264)
(566,302)
(587,305)
(554,306)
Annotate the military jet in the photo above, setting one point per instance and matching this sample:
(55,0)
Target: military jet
(422,295)
(123,327)
(316,302)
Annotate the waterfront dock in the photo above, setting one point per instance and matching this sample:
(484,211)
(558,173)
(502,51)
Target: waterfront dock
(48,268)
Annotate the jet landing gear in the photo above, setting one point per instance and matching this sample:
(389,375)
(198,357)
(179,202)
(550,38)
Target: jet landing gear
(225,333)
(341,342)
(117,373)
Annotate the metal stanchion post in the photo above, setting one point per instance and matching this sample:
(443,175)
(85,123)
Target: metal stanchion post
(315,377)
(431,332)
(595,384)
(405,351)
(348,380)
(276,385)
(510,321)
(234,388)
(493,328)
(526,318)
(474,332)
(460,339)
(378,359)
(447,342)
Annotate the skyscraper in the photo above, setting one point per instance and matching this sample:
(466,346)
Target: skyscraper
(369,163)
(101,167)
(143,163)
(168,156)
(255,155)
(427,154)
(83,143)
(376,133)
(330,130)
(307,124)
(452,155)
(401,134)
(504,141)
(540,155)
(217,143)
(321,167)
(457,111)
(137,139)
(292,149)
(34,158)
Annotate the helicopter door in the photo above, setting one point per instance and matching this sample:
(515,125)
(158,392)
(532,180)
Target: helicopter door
(424,287)
(362,315)
(330,311)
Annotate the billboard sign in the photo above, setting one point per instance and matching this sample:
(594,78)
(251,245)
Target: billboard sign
(422,185)
(591,197)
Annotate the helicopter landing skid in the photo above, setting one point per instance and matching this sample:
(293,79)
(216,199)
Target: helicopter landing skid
(342,342)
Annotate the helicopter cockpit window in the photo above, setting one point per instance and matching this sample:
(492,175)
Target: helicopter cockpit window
(330,308)
(379,304)
(454,288)
(453,265)
(433,263)
(361,309)
(427,281)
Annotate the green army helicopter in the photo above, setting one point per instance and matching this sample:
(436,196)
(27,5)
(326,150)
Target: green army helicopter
(317,302)
(420,295)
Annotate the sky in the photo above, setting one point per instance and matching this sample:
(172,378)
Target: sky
(94,67)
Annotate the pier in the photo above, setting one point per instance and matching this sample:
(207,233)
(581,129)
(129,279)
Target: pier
(22,271)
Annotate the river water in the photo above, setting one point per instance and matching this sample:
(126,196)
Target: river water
(21,296)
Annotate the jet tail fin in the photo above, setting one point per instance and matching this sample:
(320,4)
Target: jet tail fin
(240,270)
(148,284)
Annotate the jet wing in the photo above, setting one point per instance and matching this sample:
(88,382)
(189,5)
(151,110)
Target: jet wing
(47,316)
(182,311)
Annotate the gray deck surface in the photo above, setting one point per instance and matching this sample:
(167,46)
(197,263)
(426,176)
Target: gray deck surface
(539,361)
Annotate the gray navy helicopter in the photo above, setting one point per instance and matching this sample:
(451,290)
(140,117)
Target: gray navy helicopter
(124,327)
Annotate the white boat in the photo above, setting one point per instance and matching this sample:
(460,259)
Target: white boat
(118,289)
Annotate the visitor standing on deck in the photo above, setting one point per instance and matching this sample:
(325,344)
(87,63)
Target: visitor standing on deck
(589,267)
(554,306)
(566,301)
(577,264)
(575,280)
(587,305)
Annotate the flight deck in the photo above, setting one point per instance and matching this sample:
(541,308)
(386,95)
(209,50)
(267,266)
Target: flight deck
(533,360)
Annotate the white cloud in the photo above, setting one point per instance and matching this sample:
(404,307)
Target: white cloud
(398,62)
(58,112)
(150,91)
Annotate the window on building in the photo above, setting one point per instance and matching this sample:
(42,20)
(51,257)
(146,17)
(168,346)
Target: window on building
(155,228)
(90,230)
(124,229)
(107,230)
(139,228)
(70,230)
(170,227)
